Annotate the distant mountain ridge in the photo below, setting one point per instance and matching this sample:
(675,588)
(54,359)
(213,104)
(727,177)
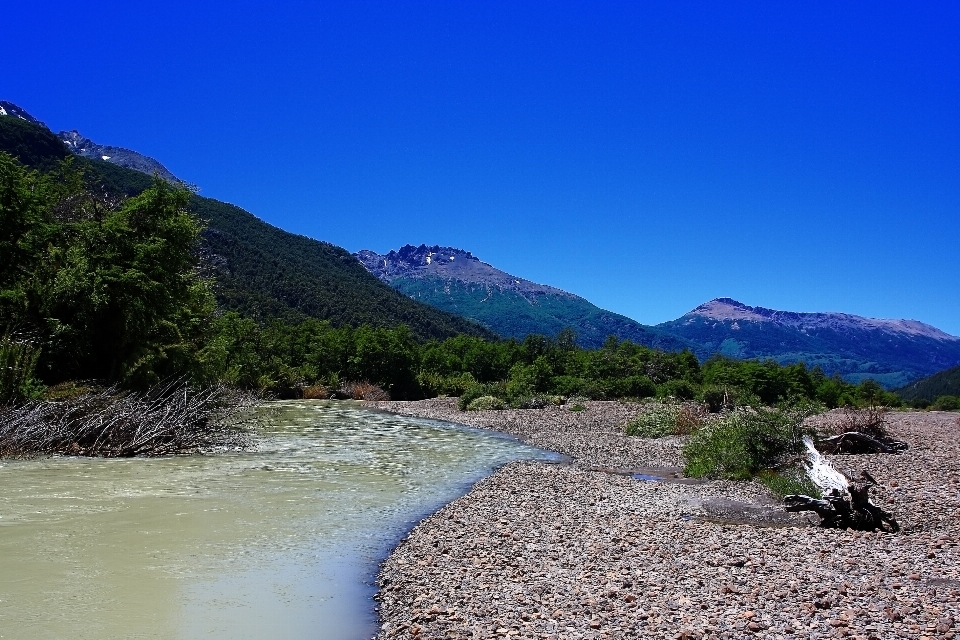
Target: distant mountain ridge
(10,109)
(115,155)
(87,148)
(458,282)
(894,352)
(723,309)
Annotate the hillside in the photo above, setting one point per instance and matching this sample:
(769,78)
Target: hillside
(893,352)
(457,281)
(942,383)
(260,270)
(127,158)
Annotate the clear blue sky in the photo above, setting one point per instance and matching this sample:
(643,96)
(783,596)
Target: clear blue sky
(648,156)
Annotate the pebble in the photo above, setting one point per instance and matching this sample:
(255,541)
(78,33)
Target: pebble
(585,551)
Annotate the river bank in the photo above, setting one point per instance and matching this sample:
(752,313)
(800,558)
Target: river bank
(587,550)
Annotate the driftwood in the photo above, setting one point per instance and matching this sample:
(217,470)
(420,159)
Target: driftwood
(846,502)
(855,442)
(850,509)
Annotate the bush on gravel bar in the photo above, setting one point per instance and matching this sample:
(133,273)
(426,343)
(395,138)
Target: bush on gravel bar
(740,444)
(485,403)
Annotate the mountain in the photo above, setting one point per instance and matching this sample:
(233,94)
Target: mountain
(10,109)
(259,270)
(457,281)
(87,148)
(893,352)
(115,155)
(942,383)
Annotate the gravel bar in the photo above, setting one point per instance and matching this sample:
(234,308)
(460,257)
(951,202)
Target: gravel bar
(589,550)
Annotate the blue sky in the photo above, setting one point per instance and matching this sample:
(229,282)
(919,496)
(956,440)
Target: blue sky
(647,156)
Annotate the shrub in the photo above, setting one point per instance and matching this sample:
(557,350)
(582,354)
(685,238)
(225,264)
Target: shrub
(657,422)
(666,420)
(568,385)
(532,402)
(791,481)
(868,421)
(434,385)
(689,419)
(18,360)
(485,403)
(639,387)
(946,403)
(680,389)
(738,445)
(361,391)
(495,389)
(316,392)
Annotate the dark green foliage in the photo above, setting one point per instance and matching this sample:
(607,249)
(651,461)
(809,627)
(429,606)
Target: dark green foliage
(680,389)
(107,288)
(31,144)
(771,383)
(656,422)
(260,270)
(944,383)
(792,481)
(744,442)
(18,361)
(946,403)
(515,315)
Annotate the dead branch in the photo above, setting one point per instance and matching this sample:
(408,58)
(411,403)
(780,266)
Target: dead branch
(172,418)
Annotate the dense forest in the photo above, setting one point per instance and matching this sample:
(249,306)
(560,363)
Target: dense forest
(939,391)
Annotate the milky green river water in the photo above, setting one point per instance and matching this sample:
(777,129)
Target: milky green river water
(282,542)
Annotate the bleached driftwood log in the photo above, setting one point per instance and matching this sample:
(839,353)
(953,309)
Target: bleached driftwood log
(846,502)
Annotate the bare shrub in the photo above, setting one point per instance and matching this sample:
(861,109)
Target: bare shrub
(168,419)
(868,421)
(316,392)
(362,391)
(690,418)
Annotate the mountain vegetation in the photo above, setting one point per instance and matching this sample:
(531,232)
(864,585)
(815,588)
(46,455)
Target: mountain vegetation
(111,275)
(458,282)
(939,391)
(258,269)
(892,352)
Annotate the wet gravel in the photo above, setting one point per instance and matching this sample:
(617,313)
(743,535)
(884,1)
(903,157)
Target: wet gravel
(586,550)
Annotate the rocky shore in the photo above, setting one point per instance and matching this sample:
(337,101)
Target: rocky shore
(615,545)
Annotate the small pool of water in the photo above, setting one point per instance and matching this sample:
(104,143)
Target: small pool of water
(281,542)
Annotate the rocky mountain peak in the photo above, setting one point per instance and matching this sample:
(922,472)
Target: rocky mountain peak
(446,263)
(10,109)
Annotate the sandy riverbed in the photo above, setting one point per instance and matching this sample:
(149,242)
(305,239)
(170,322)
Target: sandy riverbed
(579,551)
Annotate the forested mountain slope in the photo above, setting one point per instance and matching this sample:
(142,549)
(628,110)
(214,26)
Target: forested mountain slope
(942,383)
(455,280)
(893,352)
(260,270)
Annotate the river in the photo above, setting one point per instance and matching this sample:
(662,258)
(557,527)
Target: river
(279,542)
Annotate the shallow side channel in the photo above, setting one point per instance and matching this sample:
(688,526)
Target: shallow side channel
(283,541)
